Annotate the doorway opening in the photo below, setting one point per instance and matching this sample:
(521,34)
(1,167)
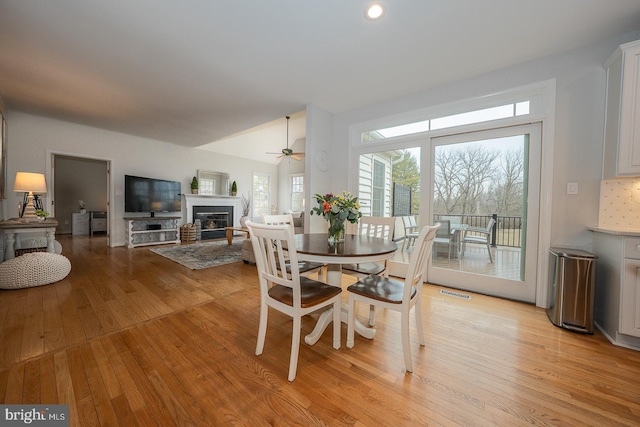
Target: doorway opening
(80,195)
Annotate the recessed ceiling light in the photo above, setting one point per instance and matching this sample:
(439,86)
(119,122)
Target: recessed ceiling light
(375,11)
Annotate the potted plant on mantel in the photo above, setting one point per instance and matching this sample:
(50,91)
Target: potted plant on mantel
(194,185)
(234,188)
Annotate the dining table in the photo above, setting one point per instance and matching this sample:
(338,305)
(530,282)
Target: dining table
(315,247)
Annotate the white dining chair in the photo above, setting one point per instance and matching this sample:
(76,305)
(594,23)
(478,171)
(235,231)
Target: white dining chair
(378,227)
(289,293)
(305,267)
(396,295)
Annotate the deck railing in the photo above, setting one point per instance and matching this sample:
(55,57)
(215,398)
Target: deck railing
(507,230)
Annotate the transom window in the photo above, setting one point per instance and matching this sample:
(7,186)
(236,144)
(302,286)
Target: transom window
(466,118)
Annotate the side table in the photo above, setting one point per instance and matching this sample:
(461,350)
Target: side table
(12,227)
(230,231)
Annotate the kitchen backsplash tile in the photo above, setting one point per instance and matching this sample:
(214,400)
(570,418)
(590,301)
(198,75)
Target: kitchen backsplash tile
(620,204)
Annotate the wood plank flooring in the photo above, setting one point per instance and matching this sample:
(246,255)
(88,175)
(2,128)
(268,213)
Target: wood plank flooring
(131,338)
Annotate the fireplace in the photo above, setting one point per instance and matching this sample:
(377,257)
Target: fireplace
(213,220)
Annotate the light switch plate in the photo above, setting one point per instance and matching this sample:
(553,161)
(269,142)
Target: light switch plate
(572,188)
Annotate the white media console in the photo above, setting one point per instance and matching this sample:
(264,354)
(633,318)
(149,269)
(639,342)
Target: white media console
(146,231)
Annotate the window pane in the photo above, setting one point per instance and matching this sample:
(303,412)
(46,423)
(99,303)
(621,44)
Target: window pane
(522,108)
(261,195)
(377,201)
(478,116)
(297,192)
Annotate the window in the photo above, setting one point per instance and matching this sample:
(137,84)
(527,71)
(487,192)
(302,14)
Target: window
(297,192)
(261,194)
(464,118)
(377,202)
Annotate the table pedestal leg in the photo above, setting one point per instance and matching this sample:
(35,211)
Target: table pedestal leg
(334,277)
(51,237)
(9,248)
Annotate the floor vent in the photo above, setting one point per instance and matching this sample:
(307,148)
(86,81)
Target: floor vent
(455,294)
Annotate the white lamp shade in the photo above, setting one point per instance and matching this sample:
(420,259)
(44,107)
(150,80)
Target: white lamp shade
(30,182)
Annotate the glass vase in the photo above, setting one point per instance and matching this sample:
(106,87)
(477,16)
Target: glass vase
(336,230)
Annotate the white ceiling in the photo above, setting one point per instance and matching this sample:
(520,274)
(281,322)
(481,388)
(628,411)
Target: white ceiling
(192,72)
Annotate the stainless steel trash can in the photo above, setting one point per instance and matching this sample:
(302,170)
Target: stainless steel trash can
(572,280)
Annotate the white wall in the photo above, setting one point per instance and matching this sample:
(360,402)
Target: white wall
(578,130)
(33,139)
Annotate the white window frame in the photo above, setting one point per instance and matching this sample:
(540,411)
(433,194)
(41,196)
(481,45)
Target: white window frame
(542,97)
(292,177)
(255,211)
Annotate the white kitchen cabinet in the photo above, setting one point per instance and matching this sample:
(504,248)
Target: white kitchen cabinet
(622,116)
(617,299)
(630,299)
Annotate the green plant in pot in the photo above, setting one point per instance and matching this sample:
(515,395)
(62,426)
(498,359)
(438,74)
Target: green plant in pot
(42,214)
(234,188)
(194,185)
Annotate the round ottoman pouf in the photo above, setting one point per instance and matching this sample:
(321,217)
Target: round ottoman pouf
(33,269)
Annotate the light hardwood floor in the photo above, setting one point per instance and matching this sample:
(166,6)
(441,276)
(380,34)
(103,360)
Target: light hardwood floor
(131,338)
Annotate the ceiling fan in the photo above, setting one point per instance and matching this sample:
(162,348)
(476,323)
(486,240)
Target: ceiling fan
(288,152)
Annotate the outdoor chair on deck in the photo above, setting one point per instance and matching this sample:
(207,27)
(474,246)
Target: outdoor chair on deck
(411,230)
(479,235)
(444,236)
(396,295)
(289,293)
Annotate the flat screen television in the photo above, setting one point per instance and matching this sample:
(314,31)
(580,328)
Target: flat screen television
(151,195)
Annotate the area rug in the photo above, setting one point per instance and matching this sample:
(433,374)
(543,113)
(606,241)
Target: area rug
(203,254)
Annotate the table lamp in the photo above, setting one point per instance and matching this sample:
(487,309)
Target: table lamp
(30,183)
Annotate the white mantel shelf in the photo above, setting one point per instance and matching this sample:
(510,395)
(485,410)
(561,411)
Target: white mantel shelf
(192,200)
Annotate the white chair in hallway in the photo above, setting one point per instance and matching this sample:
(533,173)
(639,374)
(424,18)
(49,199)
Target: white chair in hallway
(289,293)
(396,295)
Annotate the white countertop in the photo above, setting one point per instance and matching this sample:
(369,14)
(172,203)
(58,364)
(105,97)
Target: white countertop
(633,233)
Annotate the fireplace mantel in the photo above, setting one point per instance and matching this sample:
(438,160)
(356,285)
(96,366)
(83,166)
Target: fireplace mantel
(191,200)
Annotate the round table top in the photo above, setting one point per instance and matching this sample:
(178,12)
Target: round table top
(353,245)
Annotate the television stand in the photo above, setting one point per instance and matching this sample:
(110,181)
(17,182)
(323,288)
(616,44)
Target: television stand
(146,231)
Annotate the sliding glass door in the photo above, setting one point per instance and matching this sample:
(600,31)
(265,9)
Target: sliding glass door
(485,193)
(482,187)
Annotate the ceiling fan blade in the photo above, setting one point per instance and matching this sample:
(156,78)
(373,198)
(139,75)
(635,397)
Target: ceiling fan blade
(295,156)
